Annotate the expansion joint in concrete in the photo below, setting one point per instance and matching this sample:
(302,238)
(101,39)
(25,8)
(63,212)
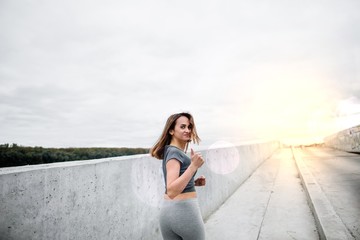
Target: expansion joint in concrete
(267,204)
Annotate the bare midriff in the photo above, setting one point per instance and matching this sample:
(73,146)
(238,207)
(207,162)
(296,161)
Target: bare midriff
(182,196)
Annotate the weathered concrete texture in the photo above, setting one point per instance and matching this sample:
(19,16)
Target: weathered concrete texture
(332,179)
(115,198)
(93,200)
(222,180)
(330,225)
(271,204)
(346,140)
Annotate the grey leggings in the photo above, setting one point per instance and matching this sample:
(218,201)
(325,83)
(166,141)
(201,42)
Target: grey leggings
(181,220)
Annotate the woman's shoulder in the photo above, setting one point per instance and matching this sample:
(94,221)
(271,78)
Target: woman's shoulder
(172,151)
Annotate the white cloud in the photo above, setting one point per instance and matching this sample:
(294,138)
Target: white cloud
(91,73)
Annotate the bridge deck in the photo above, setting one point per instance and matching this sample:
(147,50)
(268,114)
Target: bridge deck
(337,174)
(273,203)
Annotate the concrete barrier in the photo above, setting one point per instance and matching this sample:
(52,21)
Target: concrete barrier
(347,140)
(114,198)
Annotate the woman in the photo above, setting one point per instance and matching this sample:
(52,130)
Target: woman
(180,216)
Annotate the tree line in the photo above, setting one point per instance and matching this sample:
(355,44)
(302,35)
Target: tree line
(14,155)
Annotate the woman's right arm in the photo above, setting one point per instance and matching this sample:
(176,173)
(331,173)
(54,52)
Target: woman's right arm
(175,184)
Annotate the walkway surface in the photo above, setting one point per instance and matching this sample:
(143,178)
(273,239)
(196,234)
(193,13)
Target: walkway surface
(338,175)
(271,204)
(274,203)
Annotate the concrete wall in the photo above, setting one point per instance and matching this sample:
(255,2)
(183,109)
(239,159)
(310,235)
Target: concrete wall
(114,198)
(346,140)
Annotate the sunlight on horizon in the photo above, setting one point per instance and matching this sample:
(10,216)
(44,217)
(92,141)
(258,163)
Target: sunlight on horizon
(304,110)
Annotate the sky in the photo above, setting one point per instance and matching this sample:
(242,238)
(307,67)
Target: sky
(109,73)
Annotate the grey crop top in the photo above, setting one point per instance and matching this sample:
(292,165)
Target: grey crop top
(172,152)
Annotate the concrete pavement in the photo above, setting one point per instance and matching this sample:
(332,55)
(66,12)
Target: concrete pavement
(271,204)
(332,179)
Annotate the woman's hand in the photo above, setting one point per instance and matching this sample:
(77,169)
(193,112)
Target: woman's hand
(200,181)
(196,159)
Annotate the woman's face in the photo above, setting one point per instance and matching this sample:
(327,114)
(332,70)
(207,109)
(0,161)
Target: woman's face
(182,129)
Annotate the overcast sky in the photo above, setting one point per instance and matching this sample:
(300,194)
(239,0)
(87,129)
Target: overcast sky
(109,73)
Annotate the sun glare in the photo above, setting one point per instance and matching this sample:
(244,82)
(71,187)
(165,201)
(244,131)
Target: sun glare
(297,111)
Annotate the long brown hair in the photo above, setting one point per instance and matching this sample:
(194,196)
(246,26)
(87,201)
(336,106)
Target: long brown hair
(157,150)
